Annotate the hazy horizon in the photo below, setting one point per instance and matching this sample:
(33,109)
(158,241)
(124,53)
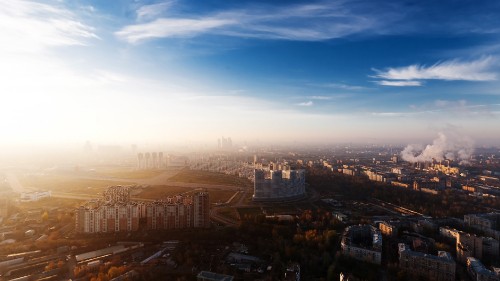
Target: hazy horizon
(187,73)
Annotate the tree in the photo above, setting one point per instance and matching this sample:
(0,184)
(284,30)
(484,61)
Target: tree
(45,216)
(113,272)
(50,266)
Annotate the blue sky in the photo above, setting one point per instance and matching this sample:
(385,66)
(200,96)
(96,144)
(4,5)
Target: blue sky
(293,71)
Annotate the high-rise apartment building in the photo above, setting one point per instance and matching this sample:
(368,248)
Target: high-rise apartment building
(116,213)
(273,184)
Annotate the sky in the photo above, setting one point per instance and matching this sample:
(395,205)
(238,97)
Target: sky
(133,71)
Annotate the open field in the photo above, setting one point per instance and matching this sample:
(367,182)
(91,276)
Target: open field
(220,196)
(217,195)
(46,203)
(127,173)
(228,212)
(249,211)
(67,183)
(195,176)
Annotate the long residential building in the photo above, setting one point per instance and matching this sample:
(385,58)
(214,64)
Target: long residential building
(470,245)
(118,214)
(478,272)
(489,223)
(362,242)
(440,268)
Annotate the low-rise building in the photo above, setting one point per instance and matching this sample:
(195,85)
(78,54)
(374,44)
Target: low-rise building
(389,228)
(34,196)
(449,232)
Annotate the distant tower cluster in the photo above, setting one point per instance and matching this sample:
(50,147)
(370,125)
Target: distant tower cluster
(274,184)
(224,143)
(116,213)
(151,160)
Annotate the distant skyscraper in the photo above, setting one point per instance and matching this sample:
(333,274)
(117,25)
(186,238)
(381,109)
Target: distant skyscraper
(140,161)
(147,158)
(154,160)
(224,143)
(161,163)
(87,148)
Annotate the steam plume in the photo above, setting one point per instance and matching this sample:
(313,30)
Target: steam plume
(450,145)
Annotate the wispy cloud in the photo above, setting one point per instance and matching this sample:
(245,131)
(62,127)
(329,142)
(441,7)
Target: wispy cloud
(154,10)
(399,83)
(29,26)
(342,86)
(307,103)
(391,114)
(309,22)
(320,97)
(476,70)
(162,28)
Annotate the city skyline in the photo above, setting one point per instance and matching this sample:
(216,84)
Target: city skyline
(300,71)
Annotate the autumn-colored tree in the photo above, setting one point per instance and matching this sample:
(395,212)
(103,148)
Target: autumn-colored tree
(50,266)
(45,216)
(113,272)
(102,277)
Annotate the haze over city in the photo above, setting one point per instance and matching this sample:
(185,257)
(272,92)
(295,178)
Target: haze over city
(249,140)
(121,72)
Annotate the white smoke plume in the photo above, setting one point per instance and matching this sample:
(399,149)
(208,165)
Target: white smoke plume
(448,145)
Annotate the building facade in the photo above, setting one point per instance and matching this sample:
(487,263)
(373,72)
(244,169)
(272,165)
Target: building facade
(440,268)
(489,223)
(478,272)
(272,185)
(117,214)
(389,228)
(362,242)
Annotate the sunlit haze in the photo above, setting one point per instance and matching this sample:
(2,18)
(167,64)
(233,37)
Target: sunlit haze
(177,72)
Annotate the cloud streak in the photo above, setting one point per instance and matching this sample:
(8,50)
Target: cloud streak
(29,26)
(452,70)
(307,103)
(163,28)
(307,22)
(398,83)
(151,11)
